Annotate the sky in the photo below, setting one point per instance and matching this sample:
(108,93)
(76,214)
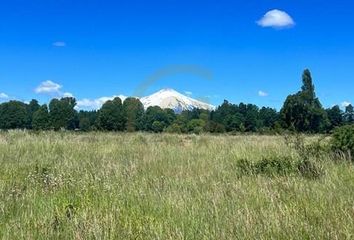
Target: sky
(243,51)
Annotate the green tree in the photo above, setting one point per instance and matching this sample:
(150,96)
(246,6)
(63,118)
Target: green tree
(335,117)
(196,126)
(91,116)
(174,128)
(158,115)
(204,115)
(158,126)
(170,116)
(228,115)
(268,117)
(32,107)
(343,140)
(41,118)
(308,88)
(214,127)
(223,111)
(252,122)
(303,111)
(233,122)
(63,114)
(181,121)
(349,114)
(85,124)
(14,115)
(111,116)
(134,112)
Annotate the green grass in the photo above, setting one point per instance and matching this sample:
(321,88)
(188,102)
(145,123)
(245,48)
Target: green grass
(145,186)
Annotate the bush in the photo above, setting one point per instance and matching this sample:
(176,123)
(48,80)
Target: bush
(174,128)
(343,140)
(196,126)
(271,166)
(314,150)
(245,166)
(309,169)
(214,127)
(274,166)
(158,126)
(280,166)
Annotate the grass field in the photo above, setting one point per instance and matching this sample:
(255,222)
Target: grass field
(145,186)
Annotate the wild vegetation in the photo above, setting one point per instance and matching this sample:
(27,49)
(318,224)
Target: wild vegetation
(301,112)
(66,185)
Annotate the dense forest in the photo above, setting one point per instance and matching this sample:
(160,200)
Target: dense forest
(301,112)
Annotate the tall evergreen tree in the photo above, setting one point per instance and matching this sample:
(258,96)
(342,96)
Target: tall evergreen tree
(349,114)
(308,88)
(303,111)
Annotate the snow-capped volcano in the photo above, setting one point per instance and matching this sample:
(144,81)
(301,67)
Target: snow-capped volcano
(169,98)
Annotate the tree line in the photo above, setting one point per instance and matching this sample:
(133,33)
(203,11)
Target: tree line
(301,112)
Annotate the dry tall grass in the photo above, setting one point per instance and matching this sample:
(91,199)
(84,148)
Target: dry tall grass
(144,186)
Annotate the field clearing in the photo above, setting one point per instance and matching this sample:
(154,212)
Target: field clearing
(150,186)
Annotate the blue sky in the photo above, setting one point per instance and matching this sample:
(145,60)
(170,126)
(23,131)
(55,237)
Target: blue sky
(213,50)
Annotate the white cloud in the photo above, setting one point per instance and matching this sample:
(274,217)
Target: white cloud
(345,104)
(122,97)
(67,94)
(59,44)
(88,104)
(96,103)
(276,19)
(4,96)
(188,92)
(262,93)
(48,87)
(53,89)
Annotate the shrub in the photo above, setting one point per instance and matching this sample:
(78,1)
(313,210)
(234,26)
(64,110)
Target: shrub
(275,166)
(174,128)
(343,140)
(196,126)
(307,151)
(245,166)
(270,166)
(309,169)
(280,166)
(158,126)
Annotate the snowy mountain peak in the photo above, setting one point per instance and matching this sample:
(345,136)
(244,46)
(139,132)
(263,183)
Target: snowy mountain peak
(167,90)
(170,98)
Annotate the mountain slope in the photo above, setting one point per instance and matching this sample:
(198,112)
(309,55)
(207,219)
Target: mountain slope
(169,98)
